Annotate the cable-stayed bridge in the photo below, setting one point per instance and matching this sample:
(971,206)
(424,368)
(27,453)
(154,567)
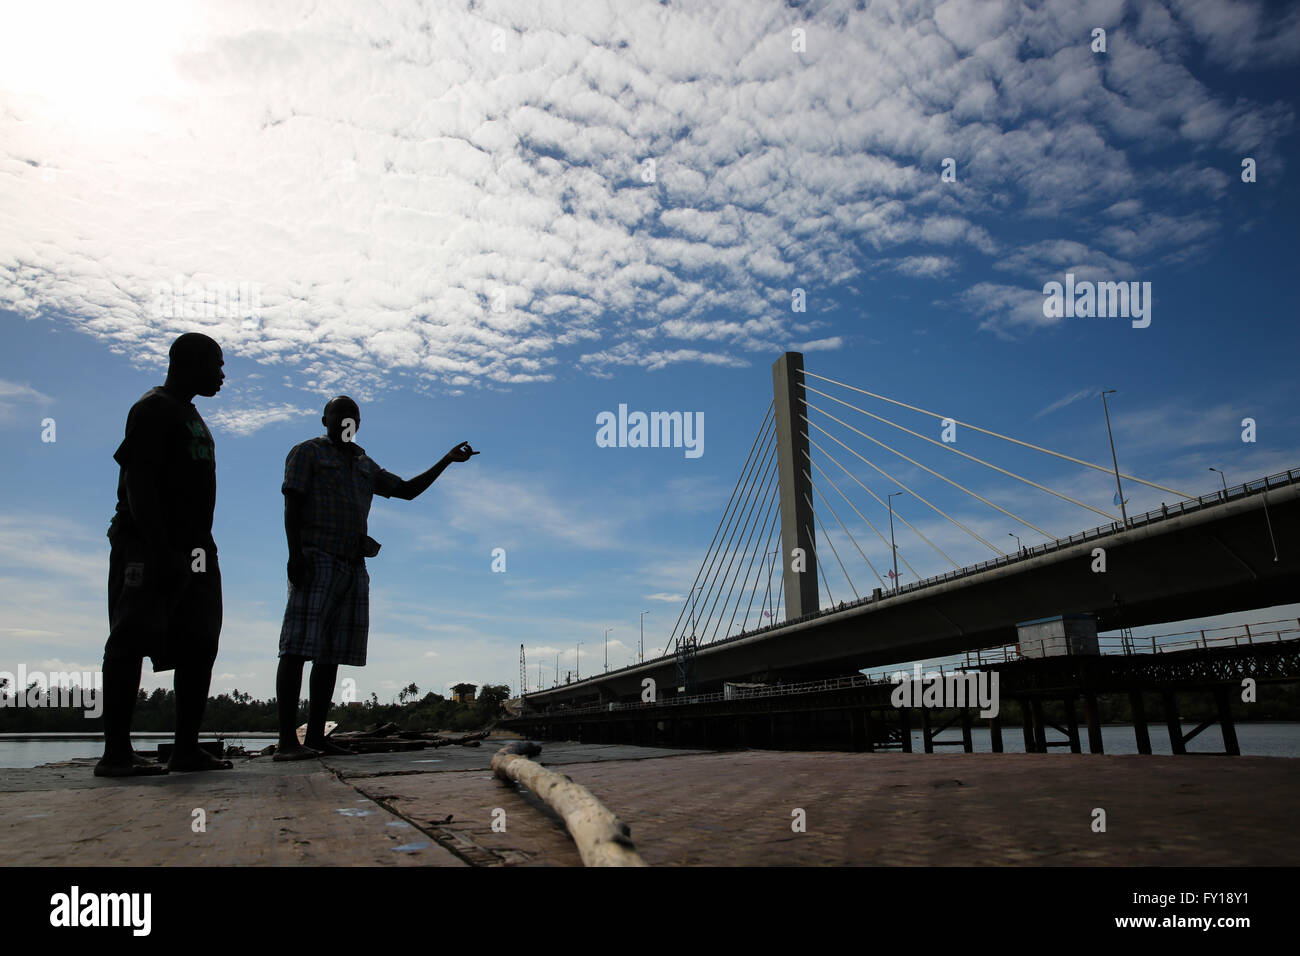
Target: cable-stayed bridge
(788,592)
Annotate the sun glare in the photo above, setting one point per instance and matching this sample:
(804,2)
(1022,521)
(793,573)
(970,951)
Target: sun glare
(93,63)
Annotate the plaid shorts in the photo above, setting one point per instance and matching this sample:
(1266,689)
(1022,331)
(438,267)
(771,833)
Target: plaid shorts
(329,620)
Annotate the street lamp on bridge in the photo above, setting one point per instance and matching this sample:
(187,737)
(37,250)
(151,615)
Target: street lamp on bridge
(892,547)
(1225,482)
(607,630)
(642,643)
(1119,492)
(1012,534)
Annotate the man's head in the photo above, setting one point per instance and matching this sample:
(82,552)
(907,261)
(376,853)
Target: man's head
(342,418)
(195,364)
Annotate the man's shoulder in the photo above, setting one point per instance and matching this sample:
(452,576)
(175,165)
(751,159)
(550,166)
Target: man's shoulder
(311,446)
(156,402)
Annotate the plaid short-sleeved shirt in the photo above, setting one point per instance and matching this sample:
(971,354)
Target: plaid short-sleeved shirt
(338,487)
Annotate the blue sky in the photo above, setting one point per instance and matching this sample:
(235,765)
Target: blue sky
(444,212)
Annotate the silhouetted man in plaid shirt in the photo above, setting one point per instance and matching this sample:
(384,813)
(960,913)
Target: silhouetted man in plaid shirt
(328,486)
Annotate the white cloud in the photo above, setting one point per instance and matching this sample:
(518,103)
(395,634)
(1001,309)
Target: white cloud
(1070,399)
(15,399)
(407,198)
(245,421)
(926,266)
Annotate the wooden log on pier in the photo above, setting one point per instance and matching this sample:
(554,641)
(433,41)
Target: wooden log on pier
(602,838)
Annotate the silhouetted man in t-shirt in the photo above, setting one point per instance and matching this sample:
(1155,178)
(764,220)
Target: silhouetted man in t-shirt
(164,585)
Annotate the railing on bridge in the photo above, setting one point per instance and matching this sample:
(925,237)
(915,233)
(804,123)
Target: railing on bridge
(1248,634)
(1157,643)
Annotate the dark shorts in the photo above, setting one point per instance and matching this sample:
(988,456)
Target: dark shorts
(170,626)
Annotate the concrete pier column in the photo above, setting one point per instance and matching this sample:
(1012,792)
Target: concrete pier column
(1027,724)
(1071,725)
(995,734)
(926,734)
(967,744)
(1172,721)
(1094,723)
(1229,729)
(905,728)
(1040,726)
(1140,722)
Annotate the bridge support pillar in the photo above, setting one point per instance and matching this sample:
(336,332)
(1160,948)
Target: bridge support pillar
(1140,721)
(1040,726)
(905,728)
(1072,725)
(869,729)
(1177,742)
(995,734)
(966,742)
(793,470)
(1229,729)
(1094,723)
(1027,724)
(927,735)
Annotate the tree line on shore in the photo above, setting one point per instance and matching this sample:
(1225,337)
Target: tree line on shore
(237,711)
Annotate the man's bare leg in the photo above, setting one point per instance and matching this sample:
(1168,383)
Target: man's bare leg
(323,677)
(288,685)
(121,685)
(191,685)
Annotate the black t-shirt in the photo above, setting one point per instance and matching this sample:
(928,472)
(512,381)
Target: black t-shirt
(167,437)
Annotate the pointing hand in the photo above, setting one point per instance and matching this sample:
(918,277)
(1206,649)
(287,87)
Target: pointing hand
(461,452)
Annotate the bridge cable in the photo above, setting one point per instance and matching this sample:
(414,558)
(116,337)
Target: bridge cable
(727,581)
(768,596)
(714,574)
(831,542)
(723,582)
(733,527)
(882,504)
(918,497)
(1027,524)
(768,521)
(956,451)
(813,547)
(761,430)
(771,529)
(850,536)
(772,497)
(1048,451)
(860,515)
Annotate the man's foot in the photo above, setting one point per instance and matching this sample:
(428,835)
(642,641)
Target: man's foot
(329,748)
(197,760)
(296,752)
(134,766)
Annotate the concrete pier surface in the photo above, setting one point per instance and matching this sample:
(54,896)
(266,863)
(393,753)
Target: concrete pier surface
(686,808)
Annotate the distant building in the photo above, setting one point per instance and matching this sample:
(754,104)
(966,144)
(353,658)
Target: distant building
(463,693)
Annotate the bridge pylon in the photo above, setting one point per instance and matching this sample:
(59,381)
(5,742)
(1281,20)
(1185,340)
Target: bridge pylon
(798,541)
